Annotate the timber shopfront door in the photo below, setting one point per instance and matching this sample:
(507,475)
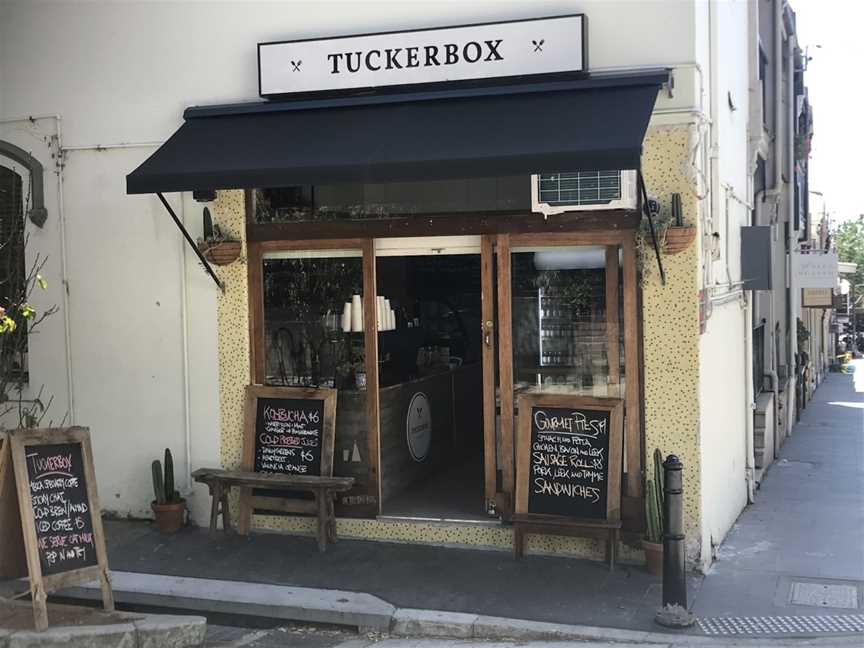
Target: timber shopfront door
(430,386)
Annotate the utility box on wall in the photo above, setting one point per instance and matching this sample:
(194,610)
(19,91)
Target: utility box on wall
(756,257)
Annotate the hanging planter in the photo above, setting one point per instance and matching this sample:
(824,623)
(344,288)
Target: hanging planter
(220,252)
(678,239)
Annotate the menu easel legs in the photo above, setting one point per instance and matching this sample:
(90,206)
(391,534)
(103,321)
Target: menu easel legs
(608,531)
(40,608)
(107,593)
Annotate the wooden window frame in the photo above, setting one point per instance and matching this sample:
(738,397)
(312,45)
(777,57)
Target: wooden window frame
(614,229)
(255,252)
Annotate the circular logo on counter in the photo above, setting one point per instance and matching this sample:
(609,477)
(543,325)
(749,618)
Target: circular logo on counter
(419,427)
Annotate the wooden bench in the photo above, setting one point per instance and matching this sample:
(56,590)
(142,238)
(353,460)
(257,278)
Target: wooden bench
(324,490)
(525,523)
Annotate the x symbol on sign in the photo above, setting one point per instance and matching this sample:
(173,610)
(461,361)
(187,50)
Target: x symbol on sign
(538,47)
(295,66)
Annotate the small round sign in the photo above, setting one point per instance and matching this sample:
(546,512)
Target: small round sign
(419,427)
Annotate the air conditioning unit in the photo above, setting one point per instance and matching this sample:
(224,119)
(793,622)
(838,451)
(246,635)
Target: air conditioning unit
(558,193)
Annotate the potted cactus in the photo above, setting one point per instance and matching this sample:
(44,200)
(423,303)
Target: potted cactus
(168,507)
(653,541)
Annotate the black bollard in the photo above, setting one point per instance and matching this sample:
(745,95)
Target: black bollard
(674,612)
(674,580)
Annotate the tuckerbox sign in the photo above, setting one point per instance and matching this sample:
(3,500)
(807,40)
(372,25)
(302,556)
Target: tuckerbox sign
(471,52)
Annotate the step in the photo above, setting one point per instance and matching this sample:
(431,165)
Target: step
(204,595)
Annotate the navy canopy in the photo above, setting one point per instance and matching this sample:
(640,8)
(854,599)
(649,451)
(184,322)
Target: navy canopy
(540,127)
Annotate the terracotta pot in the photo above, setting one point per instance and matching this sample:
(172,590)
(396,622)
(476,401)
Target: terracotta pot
(653,557)
(221,253)
(678,239)
(170,518)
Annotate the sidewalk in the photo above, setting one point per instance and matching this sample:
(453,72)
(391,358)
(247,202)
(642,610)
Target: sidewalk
(798,550)
(795,558)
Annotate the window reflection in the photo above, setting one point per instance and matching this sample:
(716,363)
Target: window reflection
(305,297)
(561,333)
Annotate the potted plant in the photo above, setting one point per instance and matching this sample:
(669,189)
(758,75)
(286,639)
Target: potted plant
(168,507)
(653,541)
(217,247)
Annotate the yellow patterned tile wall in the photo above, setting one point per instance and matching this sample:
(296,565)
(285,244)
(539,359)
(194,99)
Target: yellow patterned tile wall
(670,326)
(229,211)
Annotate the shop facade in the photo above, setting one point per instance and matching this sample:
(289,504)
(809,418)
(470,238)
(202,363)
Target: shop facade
(644,339)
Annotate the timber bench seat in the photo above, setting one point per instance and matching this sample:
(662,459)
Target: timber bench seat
(323,489)
(525,523)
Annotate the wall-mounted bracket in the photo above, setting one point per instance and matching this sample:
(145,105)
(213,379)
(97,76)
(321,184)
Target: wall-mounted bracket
(191,243)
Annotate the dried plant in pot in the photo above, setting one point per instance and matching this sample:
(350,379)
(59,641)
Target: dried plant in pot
(169,508)
(652,544)
(216,247)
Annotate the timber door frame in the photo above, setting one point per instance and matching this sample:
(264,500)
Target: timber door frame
(633,446)
(255,251)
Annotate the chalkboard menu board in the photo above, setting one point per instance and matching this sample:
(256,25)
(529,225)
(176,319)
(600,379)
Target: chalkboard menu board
(569,456)
(60,521)
(61,507)
(289,434)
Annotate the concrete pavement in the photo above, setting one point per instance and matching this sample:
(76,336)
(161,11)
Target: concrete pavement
(793,565)
(798,551)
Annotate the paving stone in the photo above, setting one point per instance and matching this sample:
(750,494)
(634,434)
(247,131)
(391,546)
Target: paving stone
(432,623)
(163,631)
(118,635)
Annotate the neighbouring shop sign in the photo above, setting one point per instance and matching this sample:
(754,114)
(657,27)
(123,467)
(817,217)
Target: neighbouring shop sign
(815,269)
(817,297)
(491,50)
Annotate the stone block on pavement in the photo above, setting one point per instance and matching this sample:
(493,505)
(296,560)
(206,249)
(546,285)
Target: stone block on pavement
(163,631)
(433,623)
(115,635)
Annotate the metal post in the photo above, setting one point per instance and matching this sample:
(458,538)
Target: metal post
(674,612)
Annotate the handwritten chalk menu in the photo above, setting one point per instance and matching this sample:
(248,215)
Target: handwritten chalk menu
(60,521)
(288,430)
(61,509)
(569,456)
(288,436)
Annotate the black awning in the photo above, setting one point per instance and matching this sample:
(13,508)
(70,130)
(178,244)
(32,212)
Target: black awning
(596,123)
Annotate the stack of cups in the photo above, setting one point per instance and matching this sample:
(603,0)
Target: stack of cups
(346,318)
(386,316)
(356,314)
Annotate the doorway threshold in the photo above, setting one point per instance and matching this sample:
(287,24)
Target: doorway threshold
(462,521)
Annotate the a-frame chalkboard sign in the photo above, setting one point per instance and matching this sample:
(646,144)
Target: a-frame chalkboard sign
(289,431)
(59,518)
(568,467)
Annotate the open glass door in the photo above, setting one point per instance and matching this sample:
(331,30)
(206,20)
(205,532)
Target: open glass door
(566,323)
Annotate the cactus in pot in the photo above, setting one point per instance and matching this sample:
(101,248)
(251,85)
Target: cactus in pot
(168,506)
(654,496)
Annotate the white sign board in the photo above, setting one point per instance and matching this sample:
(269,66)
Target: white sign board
(815,269)
(491,50)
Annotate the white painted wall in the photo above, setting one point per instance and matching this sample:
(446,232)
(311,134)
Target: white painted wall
(723,426)
(726,424)
(119,75)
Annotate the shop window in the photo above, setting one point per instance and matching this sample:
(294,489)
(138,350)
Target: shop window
(13,274)
(306,294)
(391,200)
(565,333)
